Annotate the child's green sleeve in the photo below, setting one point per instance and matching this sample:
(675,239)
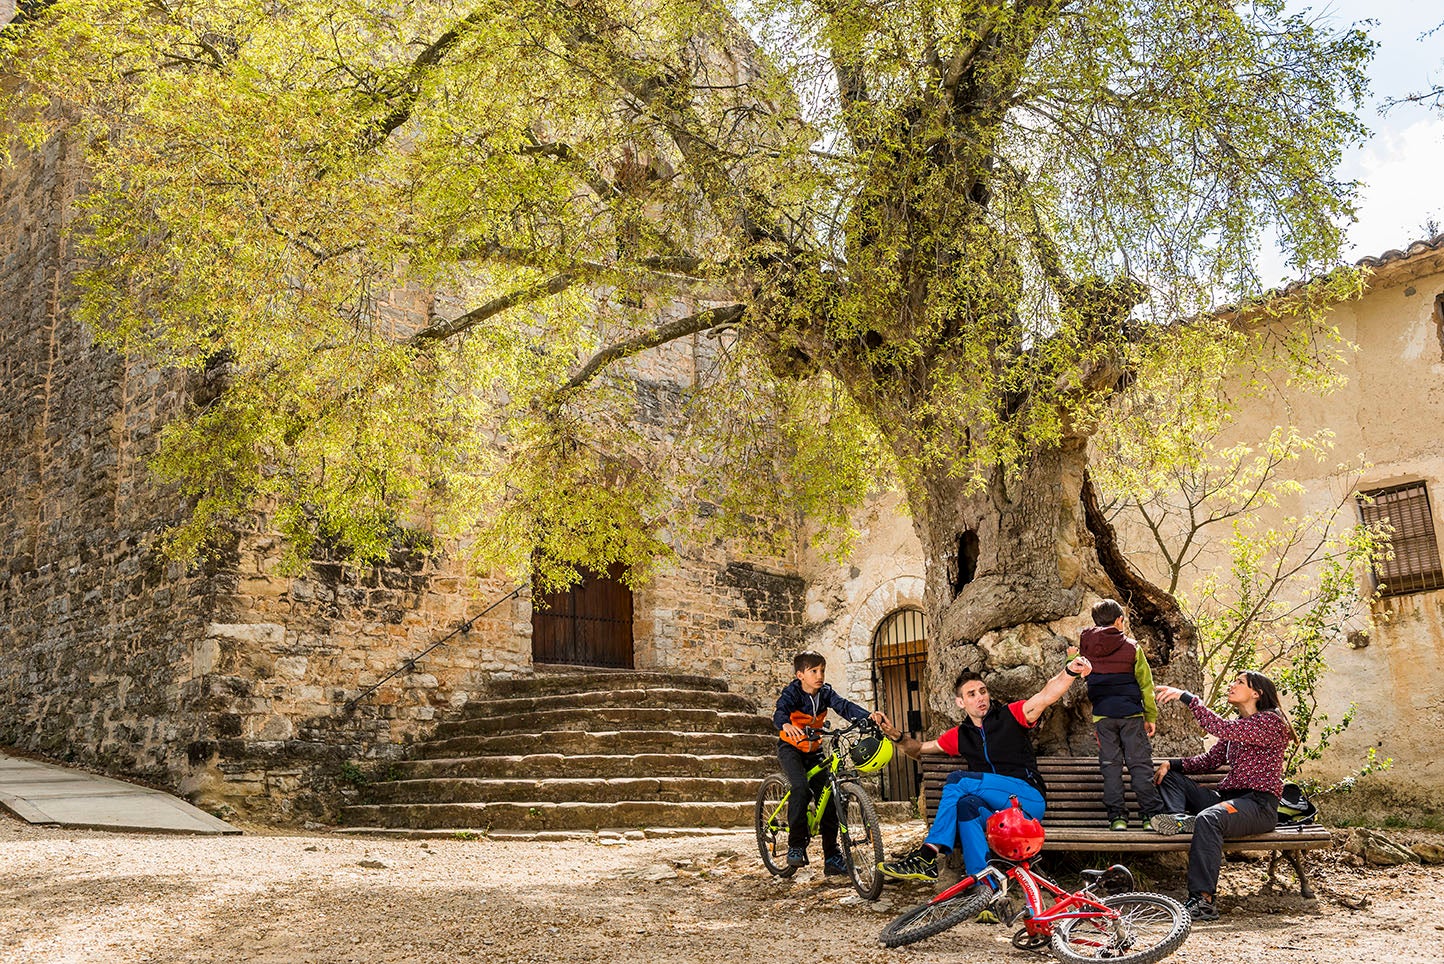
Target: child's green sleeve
(1144,675)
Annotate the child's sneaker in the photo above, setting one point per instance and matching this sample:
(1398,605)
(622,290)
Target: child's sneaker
(1118,823)
(1201,907)
(835,866)
(797,857)
(917,865)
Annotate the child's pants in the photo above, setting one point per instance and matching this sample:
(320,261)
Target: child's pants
(795,765)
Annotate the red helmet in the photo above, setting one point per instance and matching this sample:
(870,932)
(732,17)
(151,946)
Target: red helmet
(1013,834)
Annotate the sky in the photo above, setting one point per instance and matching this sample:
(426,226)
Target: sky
(1402,164)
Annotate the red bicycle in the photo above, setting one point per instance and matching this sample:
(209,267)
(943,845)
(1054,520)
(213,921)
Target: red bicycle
(1105,921)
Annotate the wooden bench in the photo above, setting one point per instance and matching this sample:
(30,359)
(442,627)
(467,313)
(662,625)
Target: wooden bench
(1076,819)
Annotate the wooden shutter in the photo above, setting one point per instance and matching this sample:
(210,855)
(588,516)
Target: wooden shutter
(1415,566)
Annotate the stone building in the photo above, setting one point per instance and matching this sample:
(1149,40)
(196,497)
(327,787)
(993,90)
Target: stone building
(235,683)
(1387,414)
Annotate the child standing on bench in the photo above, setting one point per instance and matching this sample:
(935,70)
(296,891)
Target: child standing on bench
(1124,713)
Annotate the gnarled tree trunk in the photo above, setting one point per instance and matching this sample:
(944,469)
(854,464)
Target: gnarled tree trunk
(1012,573)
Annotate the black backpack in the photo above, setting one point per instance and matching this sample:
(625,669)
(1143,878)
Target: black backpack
(1294,807)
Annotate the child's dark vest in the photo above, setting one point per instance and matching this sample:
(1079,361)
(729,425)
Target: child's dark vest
(1112,687)
(1002,746)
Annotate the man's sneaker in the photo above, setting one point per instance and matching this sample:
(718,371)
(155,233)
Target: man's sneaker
(1169,824)
(797,857)
(1201,907)
(1118,823)
(917,865)
(990,913)
(835,866)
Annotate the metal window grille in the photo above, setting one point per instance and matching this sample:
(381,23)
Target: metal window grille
(900,653)
(1415,566)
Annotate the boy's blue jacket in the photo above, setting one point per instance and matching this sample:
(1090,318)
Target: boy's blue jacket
(801,709)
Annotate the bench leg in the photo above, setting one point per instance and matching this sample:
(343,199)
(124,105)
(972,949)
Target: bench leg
(1296,860)
(1306,890)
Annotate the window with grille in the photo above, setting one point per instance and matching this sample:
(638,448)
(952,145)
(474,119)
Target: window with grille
(899,658)
(1415,566)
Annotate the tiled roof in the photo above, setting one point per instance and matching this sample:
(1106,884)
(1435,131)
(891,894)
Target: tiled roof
(1435,243)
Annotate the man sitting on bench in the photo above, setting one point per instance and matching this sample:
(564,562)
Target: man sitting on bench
(994,739)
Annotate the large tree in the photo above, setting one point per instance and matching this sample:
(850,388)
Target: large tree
(933,235)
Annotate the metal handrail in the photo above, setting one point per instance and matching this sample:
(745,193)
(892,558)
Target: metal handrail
(409,663)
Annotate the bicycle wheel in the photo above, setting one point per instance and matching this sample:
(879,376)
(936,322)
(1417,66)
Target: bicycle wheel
(932,918)
(861,840)
(772,824)
(1149,927)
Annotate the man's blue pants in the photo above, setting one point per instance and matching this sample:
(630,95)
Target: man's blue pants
(965,805)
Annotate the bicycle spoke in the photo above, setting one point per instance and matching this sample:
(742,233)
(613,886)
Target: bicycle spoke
(1147,928)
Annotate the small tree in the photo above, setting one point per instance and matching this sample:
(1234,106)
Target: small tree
(1265,591)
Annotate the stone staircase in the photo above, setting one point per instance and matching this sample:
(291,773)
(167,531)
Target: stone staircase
(582,751)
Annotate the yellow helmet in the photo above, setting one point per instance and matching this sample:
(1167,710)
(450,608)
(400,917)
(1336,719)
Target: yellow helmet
(871,753)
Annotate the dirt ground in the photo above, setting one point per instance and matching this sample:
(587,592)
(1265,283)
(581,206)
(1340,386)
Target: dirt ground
(84,896)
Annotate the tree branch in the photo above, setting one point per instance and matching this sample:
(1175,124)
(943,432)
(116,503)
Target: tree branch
(554,285)
(408,91)
(671,331)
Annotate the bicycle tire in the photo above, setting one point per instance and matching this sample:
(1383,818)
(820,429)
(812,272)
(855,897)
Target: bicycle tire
(770,822)
(1142,916)
(862,841)
(934,917)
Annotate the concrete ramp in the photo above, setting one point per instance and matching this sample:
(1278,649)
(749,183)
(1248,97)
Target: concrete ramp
(42,793)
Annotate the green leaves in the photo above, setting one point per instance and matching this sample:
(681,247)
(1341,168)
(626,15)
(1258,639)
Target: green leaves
(952,229)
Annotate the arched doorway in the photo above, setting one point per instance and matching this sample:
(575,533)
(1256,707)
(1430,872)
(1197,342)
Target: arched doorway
(899,656)
(589,624)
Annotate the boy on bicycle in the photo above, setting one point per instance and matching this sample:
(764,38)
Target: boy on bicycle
(804,703)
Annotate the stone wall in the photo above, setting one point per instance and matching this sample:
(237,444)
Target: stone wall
(231,683)
(95,624)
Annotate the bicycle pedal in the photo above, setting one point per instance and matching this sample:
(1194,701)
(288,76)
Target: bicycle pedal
(1024,941)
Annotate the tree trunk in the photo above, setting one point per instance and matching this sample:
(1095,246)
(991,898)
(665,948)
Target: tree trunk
(1012,573)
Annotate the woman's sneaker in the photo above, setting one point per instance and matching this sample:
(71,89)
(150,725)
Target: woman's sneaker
(918,865)
(1169,824)
(1201,907)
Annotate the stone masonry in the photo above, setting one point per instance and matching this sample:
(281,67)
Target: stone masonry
(229,682)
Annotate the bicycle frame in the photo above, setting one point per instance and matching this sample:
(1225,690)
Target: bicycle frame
(1037,921)
(831,764)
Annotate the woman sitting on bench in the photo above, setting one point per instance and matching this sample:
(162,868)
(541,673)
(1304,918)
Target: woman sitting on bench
(1247,799)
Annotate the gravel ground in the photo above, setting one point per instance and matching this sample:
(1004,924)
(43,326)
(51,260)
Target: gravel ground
(83,896)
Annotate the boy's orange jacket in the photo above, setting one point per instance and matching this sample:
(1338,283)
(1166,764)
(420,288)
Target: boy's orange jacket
(803,709)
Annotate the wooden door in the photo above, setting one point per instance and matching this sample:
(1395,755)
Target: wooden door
(589,624)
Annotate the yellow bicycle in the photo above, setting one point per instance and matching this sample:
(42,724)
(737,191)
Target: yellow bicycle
(856,749)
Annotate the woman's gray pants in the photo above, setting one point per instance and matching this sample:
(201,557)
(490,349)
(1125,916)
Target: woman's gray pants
(1217,820)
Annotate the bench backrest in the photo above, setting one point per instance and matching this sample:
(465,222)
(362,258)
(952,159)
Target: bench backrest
(1075,787)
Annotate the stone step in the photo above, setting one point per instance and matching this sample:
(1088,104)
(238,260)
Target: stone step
(565,790)
(541,766)
(481,817)
(581,682)
(588,719)
(629,742)
(663,696)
